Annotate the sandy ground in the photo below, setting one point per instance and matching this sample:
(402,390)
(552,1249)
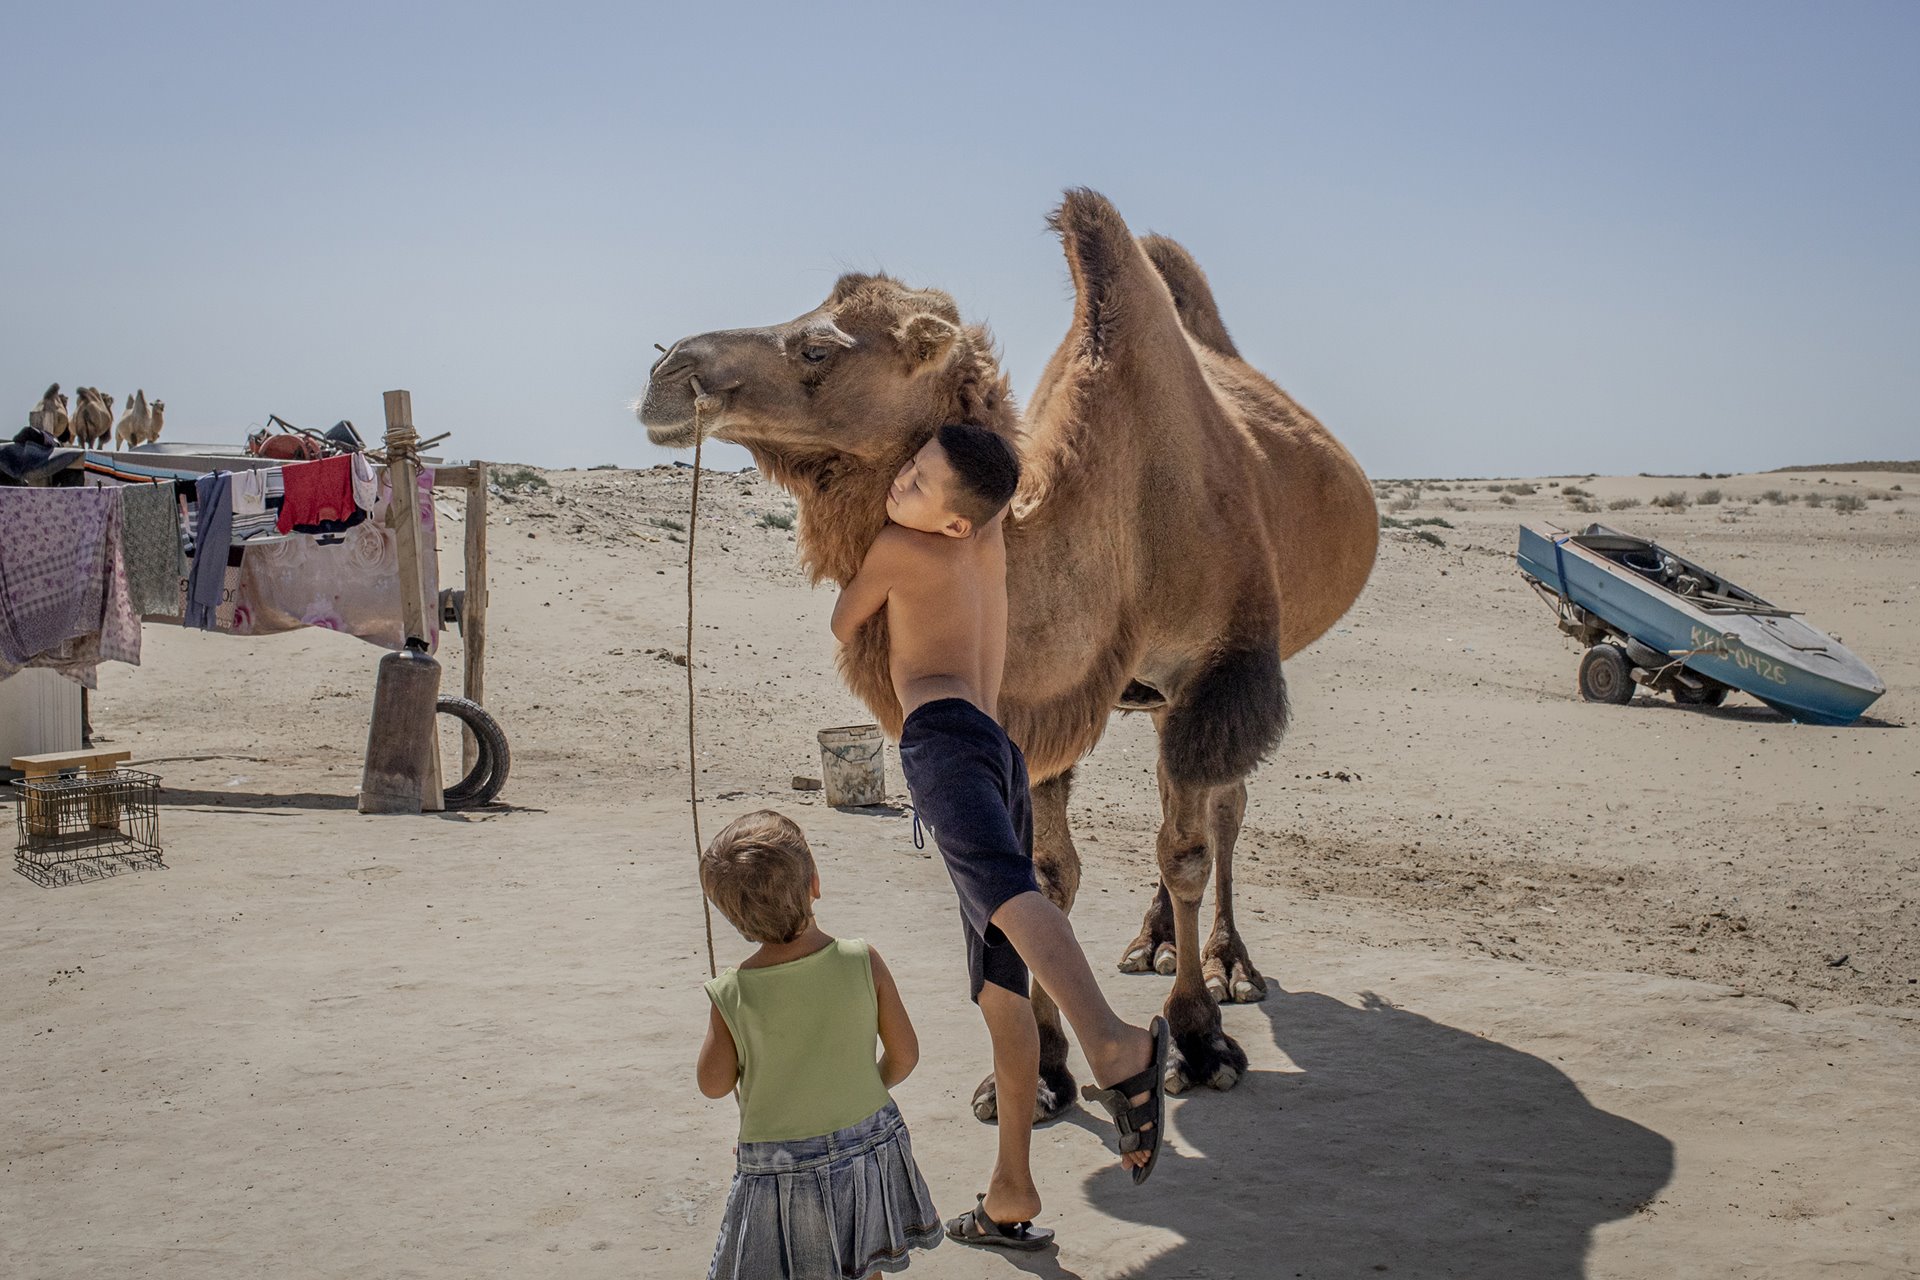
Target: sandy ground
(1560,989)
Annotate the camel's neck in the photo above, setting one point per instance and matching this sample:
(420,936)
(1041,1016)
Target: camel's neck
(842,501)
(843,497)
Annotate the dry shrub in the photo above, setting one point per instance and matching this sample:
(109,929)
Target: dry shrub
(1845,502)
(1709,498)
(1774,497)
(1674,500)
(1621,504)
(512,478)
(1508,500)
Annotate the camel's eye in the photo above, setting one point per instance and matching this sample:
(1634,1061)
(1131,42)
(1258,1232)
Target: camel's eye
(815,355)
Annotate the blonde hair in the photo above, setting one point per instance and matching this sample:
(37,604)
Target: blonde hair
(759,872)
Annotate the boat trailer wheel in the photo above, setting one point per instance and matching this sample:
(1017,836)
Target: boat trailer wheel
(1606,675)
(1711,693)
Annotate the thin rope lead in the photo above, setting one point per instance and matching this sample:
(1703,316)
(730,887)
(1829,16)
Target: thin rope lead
(693,761)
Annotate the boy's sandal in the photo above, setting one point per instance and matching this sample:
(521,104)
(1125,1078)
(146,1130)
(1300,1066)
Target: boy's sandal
(976,1227)
(1134,1121)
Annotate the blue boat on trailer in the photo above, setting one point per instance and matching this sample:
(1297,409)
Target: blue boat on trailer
(1652,619)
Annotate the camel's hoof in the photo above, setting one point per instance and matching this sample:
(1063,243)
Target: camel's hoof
(1051,1100)
(1230,975)
(1212,1059)
(1139,959)
(1166,960)
(986,1106)
(1248,987)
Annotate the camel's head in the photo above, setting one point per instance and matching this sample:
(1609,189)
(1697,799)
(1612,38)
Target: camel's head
(868,373)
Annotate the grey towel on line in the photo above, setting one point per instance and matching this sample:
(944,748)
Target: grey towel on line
(150,545)
(212,538)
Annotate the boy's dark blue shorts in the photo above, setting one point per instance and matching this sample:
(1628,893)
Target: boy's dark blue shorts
(969,784)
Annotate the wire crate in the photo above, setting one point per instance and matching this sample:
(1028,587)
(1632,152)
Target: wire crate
(87,826)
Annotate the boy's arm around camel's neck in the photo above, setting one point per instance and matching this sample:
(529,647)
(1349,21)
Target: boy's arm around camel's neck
(866,595)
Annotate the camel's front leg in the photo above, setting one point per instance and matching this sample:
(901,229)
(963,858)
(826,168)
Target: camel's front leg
(1203,1053)
(1224,963)
(1057,864)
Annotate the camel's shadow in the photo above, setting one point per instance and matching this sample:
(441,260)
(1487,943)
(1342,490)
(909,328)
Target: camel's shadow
(1401,1147)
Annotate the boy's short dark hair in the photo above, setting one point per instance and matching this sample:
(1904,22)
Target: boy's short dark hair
(986,466)
(759,872)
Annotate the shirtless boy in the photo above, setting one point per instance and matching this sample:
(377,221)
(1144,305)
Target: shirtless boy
(939,569)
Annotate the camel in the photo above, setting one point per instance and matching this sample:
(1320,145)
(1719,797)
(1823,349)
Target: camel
(50,415)
(140,424)
(1182,527)
(92,417)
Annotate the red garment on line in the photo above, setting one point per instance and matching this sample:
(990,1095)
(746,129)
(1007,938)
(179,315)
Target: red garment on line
(317,492)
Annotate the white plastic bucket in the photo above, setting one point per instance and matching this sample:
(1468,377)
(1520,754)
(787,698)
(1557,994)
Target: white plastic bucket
(853,765)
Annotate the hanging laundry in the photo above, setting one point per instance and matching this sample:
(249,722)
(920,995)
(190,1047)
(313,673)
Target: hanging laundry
(345,582)
(186,491)
(366,486)
(150,547)
(257,496)
(63,588)
(212,539)
(319,497)
(250,492)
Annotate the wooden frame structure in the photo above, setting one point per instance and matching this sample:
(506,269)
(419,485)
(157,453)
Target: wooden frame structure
(473,612)
(416,610)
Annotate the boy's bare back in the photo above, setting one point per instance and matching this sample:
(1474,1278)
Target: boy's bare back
(946,603)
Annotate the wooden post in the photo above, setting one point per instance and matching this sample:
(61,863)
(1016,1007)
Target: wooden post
(406,521)
(415,609)
(473,625)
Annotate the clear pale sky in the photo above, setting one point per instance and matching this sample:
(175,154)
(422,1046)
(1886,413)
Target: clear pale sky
(1472,238)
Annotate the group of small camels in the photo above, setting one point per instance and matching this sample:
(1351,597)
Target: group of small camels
(1181,529)
(90,423)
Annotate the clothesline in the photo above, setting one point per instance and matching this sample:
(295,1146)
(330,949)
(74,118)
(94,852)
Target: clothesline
(249,551)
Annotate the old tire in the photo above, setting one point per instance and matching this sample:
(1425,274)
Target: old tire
(1606,675)
(489,772)
(1711,693)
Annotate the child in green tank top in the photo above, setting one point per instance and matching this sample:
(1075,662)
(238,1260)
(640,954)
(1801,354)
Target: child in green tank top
(825,1184)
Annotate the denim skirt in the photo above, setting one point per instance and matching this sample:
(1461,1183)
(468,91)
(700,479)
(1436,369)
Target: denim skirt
(837,1207)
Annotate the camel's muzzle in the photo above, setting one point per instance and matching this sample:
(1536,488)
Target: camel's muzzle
(667,410)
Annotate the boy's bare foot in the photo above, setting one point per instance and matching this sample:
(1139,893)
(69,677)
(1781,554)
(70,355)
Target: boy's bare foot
(1124,1058)
(1137,1054)
(1009,1200)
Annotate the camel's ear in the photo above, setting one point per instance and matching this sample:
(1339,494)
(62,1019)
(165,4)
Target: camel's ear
(927,338)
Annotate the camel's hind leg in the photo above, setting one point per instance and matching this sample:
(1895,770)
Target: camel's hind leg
(1224,962)
(1203,1053)
(1151,950)
(1057,865)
